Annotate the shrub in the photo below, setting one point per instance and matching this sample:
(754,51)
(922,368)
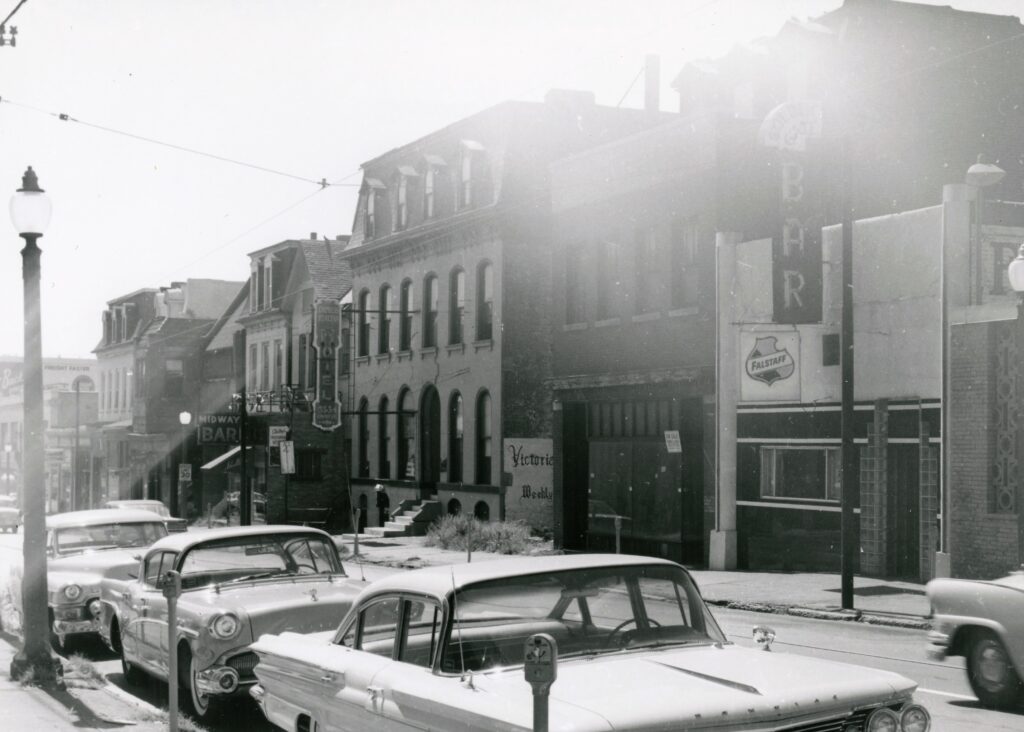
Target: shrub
(500,537)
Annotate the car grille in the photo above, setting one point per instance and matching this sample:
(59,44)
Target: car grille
(847,723)
(244,663)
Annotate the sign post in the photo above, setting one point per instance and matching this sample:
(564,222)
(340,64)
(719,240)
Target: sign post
(541,670)
(171,586)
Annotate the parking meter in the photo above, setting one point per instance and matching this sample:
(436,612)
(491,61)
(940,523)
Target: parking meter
(541,670)
(170,583)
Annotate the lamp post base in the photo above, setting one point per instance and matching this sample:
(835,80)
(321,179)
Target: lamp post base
(44,669)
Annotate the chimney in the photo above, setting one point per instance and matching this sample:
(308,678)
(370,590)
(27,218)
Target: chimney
(652,83)
(312,236)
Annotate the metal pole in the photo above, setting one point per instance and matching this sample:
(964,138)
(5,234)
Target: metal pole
(35,656)
(848,528)
(171,590)
(245,492)
(540,712)
(176,493)
(74,458)
(618,534)
(1019,498)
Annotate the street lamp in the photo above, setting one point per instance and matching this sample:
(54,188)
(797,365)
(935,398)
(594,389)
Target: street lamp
(30,212)
(981,175)
(1015,273)
(184,419)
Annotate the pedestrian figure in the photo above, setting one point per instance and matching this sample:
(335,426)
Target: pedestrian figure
(383,503)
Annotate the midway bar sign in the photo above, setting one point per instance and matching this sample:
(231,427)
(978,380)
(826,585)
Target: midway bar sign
(326,335)
(219,429)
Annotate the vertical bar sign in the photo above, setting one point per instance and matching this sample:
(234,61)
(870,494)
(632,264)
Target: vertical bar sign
(796,251)
(326,335)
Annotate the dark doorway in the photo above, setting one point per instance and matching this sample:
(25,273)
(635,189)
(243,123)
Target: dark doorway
(903,513)
(364,509)
(571,498)
(430,440)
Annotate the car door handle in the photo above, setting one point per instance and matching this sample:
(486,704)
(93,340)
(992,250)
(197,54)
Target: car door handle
(375,692)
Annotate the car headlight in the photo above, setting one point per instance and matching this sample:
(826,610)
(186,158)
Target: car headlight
(225,626)
(883,720)
(72,592)
(915,718)
(95,607)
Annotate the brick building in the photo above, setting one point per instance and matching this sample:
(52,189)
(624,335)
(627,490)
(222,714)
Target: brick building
(450,258)
(268,346)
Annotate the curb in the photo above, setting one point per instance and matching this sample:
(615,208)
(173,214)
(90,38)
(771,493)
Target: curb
(848,616)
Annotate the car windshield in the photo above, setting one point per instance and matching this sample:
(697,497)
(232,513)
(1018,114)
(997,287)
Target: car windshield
(250,557)
(587,611)
(79,539)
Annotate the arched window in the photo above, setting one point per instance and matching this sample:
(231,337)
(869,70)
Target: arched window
(484,302)
(363,468)
(455,432)
(456,305)
(406,436)
(384,320)
(481,511)
(483,439)
(383,440)
(430,311)
(406,305)
(454,507)
(363,318)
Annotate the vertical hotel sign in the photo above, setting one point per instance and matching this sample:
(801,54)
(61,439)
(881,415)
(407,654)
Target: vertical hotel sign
(796,250)
(326,335)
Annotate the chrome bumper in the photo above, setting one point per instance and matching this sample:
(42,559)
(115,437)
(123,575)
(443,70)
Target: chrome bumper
(938,645)
(217,681)
(73,627)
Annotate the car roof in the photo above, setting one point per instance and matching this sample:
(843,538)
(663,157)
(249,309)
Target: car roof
(135,502)
(101,516)
(184,541)
(438,581)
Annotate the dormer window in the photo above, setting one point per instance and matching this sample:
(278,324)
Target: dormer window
(405,172)
(371,204)
(428,193)
(471,150)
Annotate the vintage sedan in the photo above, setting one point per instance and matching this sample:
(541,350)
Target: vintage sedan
(637,649)
(237,584)
(984,622)
(10,518)
(157,507)
(90,553)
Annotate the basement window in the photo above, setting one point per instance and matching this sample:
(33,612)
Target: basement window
(800,473)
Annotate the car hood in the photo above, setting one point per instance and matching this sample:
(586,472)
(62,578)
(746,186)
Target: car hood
(91,568)
(710,686)
(1015,580)
(298,604)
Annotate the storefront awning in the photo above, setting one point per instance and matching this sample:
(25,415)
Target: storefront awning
(221,459)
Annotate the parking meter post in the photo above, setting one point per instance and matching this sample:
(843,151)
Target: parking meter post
(541,670)
(171,586)
(355,534)
(618,534)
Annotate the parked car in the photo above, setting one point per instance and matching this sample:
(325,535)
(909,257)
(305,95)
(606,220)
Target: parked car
(443,649)
(984,622)
(157,507)
(10,519)
(89,554)
(237,583)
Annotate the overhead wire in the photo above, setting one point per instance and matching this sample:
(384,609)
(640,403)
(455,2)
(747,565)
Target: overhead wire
(11,14)
(323,183)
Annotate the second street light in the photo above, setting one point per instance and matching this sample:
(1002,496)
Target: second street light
(30,213)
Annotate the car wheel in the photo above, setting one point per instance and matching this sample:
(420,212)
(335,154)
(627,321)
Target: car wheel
(132,675)
(201,706)
(990,671)
(305,724)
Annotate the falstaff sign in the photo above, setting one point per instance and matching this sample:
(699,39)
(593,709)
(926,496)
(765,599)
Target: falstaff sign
(771,366)
(326,334)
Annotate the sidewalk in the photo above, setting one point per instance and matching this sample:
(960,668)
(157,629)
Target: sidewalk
(882,602)
(83,704)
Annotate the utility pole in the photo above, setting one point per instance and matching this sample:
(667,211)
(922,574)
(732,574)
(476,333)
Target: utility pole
(245,491)
(848,527)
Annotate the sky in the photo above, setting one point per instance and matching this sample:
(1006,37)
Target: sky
(293,91)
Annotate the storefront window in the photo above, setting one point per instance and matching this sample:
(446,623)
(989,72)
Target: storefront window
(804,473)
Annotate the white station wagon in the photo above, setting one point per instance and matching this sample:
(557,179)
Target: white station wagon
(444,649)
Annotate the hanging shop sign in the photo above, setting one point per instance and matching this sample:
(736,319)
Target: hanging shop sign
(277,433)
(771,366)
(326,336)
